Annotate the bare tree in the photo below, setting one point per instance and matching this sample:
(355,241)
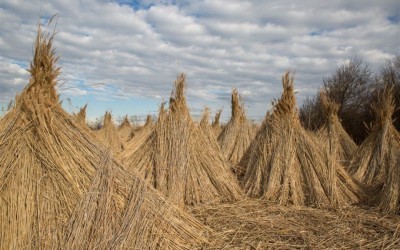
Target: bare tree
(350,87)
(311,113)
(135,120)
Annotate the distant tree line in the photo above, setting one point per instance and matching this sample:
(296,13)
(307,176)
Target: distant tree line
(354,87)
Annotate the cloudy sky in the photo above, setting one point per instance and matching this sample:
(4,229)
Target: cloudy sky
(124,55)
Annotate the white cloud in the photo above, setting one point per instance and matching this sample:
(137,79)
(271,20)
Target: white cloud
(116,51)
(72,91)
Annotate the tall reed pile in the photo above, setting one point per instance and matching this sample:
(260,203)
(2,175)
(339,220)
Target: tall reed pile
(208,131)
(138,137)
(125,130)
(238,133)
(286,165)
(178,160)
(215,124)
(333,133)
(108,134)
(80,117)
(376,163)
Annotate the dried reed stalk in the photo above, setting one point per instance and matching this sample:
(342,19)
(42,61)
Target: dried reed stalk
(376,163)
(48,163)
(119,212)
(108,134)
(80,117)
(286,165)
(248,224)
(237,135)
(205,118)
(209,132)
(216,127)
(256,127)
(149,121)
(178,160)
(138,137)
(125,130)
(333,133)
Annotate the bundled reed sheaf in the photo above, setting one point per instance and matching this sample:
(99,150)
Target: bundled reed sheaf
(178,160)
(256,127)
(138,137)
(208,131)
(48,163)
(80,117)
(149,121)
(332,133)
(376,163)
(108,134)
(216,127)
(119,212)
(286,165)
(147,126)
(238,133)
(125,130)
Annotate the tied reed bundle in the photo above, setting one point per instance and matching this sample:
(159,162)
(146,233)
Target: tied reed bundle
(208,131)
(178,160)
(108,134)
(216,127)
(119,212)
(376,163)
(80,117)
(137,138)
(286,165)
(125,130)
(237,134)
(333,133)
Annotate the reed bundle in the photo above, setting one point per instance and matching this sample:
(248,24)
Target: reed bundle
(286,165)
(209,132)
(138,137)
(125,130)
(376,163)
(238,133)
(178,160)
(80,117)
(333,134)
(108,134)
(216,127)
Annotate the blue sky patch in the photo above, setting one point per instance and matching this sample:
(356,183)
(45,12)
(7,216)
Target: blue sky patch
(317,32)
(135,4)
(394,18)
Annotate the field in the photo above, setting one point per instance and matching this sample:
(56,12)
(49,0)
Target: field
(177,183)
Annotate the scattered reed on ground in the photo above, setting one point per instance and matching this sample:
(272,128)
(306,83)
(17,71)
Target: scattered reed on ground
(249,224)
